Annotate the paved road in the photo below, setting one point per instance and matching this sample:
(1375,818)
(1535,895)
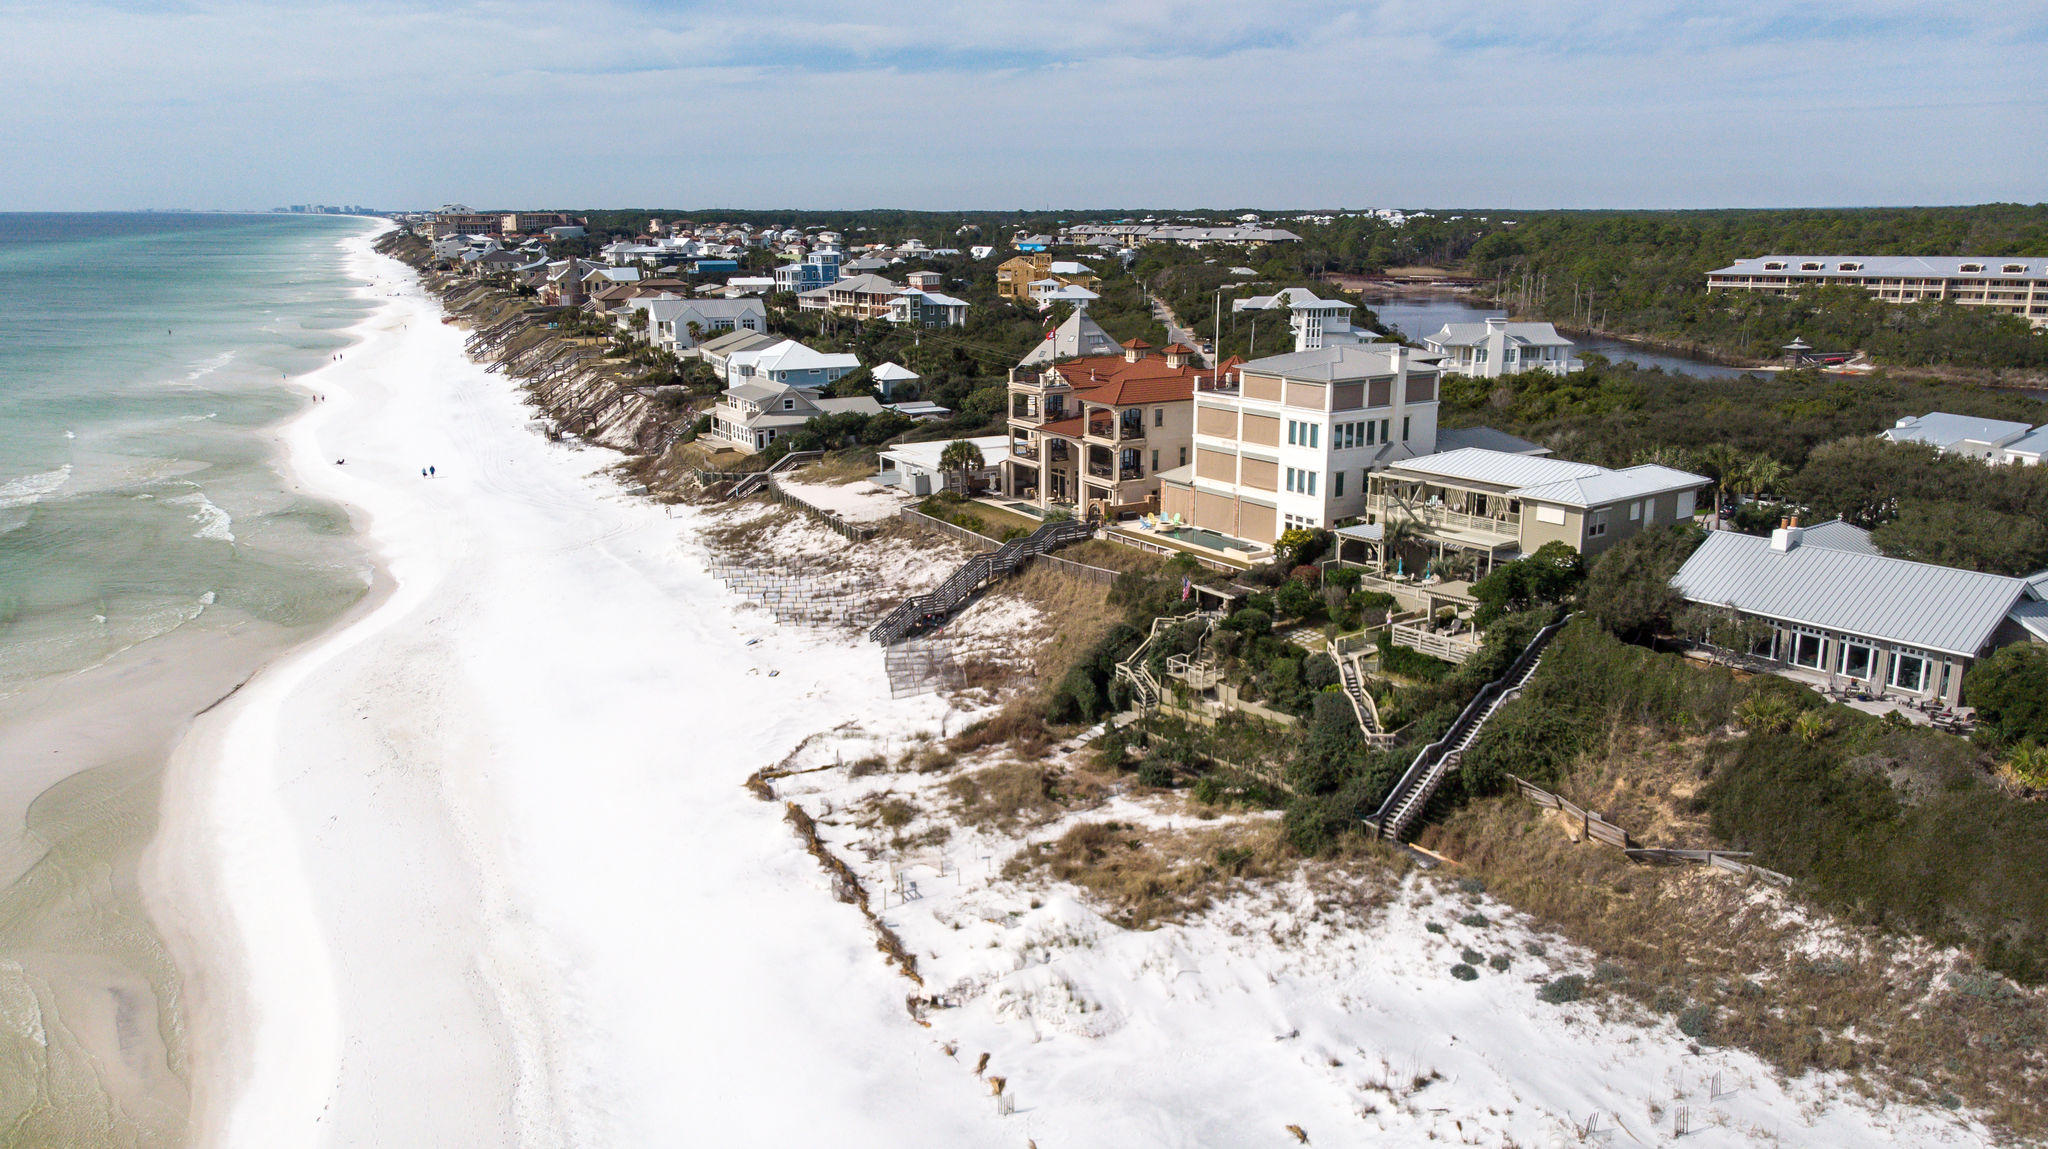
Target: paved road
(1175,333)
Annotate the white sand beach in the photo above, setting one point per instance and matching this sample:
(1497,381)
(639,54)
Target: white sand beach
(477,867)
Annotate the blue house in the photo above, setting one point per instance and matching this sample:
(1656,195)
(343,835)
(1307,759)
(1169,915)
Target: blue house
(819,269)
(714,266)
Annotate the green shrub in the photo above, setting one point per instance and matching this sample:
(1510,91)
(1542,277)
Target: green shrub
(2010,691)
(1472,885)
(1476,920)
(1433,927)
(1564,990)
(1471,956)
(1696,1022)
(1464,972)
(1155,773)
(1500,962)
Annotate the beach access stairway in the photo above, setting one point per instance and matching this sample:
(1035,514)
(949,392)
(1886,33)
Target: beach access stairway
(922,610)
(745,483)
(1350,653)
(1418,784)
(1135,671)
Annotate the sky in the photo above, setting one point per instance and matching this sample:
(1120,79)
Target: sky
(984,104)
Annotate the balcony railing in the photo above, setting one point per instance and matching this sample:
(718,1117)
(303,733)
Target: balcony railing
(1126,474)
(1102,428)
(1435,515)
(1101,470)
(1023,450)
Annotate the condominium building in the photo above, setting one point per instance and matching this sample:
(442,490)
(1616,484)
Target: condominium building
(1289,441)
(2014,285)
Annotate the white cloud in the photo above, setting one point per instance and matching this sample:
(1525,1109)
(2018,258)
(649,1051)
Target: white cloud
(1169,102)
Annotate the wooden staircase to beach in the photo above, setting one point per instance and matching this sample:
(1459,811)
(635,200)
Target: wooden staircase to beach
(920,611)
(1418,784)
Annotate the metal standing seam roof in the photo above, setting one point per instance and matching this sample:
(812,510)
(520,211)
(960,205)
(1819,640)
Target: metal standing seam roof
(1467,334)
(1613,486)
(1837,535)
(1890,266)
(1931,607)
(1498,468)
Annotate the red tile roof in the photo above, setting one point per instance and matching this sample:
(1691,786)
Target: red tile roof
(1113,380)
(1068,428)
(1136,344)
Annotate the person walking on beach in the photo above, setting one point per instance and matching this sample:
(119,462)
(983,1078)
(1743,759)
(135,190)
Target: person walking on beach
(430,470)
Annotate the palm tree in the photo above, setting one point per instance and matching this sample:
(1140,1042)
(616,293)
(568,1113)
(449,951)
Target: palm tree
(962,456)
(1719,462)
(1395,531)
(1763,475)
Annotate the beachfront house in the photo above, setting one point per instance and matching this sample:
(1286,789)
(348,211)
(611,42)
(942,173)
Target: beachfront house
(1286,441)
(1837,613)
(752,414)
(1474,508)
(1092,435)
(679,324)
(1498,347)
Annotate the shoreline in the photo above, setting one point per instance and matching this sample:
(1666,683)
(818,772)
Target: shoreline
(86,754)
(477,866)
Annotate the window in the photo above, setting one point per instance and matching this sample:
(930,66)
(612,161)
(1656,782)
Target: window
(2015,268)
(1774,267)
(1290,480)
(1311,482)
(1293,432)
(1596,524)
(1368,434)
(1858,661)
(1384,423)
(1158,419)
(1635,511)
(789,404)
(1971,268)
(1155,458)
(1848,267)
(1404,427)
(1336,484)
(1183,456)
(1909,671)
(1552,515)
(1315,435)
(1762,647)
(1807,650)
(1809,267)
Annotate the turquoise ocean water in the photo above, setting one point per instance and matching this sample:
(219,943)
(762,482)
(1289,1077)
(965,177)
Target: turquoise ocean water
(144,362)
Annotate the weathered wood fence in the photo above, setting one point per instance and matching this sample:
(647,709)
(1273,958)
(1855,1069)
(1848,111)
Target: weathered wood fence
(1593,827)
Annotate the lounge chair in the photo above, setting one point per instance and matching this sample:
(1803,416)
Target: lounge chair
(1145,523)
(1177,524)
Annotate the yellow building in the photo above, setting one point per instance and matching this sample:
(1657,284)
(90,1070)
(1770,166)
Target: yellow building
(1015,275)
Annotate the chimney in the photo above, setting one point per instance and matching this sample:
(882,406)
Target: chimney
(1787,536)
(1496,322)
